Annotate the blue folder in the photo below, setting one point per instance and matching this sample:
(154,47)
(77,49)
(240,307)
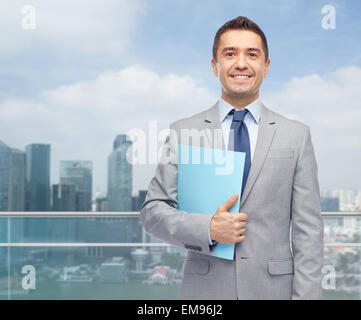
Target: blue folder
(207,178)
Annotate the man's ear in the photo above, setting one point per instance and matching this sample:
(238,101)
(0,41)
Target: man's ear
(214,67)
(265,72)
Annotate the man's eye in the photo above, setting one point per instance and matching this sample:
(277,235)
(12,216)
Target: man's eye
(253,55)
(230,54)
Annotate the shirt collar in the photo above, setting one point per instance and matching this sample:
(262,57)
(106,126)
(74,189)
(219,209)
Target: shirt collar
(254,109)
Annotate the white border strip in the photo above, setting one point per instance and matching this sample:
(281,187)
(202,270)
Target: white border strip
(129,214)
(75,214)
(342,244)
(74,244)
(135,244)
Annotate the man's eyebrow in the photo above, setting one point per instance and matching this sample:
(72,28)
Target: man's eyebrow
(235,49)
(253,49)
(229,49)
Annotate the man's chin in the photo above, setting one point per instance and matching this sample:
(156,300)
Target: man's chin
(241,94)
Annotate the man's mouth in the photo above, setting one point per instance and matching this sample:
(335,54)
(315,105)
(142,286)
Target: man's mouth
(240,76)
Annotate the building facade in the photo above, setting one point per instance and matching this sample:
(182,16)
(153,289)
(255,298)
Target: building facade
(120,176)
(38,177)
(79,174)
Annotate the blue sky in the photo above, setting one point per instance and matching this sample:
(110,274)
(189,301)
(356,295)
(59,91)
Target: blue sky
(74,43)
(177,36)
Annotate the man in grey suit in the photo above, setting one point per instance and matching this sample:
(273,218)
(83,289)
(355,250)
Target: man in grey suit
(278,232)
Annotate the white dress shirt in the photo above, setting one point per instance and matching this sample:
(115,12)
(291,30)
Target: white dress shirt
(251,120)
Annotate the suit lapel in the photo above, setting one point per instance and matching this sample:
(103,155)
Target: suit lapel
(213,128)
(266,132)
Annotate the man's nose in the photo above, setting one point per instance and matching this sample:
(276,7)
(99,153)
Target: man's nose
(241,62)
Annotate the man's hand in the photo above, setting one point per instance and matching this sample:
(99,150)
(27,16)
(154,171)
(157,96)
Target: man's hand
(228,227)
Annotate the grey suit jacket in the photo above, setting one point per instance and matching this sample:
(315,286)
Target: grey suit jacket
(281,198)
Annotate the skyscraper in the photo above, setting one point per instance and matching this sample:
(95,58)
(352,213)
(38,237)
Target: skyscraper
(4,176)
(330,204)
(120,176)
(37,190)
(64,197)
(346,199)
(12,179)
(79,174)
(4,200)
(139,199)
(12,198)
(38,177)
(17,180)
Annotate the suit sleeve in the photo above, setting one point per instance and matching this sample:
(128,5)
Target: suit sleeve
(159,214)
(307,226)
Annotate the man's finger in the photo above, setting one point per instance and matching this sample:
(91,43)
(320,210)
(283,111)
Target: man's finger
(229,203)
(242,216)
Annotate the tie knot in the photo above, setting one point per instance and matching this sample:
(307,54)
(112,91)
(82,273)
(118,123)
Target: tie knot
(238,115)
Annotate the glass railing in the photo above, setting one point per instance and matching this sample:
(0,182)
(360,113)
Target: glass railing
(107,255)
(76,255)
(342,270)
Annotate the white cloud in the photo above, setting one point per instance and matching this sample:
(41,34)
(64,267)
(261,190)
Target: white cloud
(81,120)
(81,26)
(330,105)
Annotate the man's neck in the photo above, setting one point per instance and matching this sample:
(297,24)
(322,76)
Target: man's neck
(239,103)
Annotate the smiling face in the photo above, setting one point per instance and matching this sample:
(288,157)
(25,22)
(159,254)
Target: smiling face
(240,66)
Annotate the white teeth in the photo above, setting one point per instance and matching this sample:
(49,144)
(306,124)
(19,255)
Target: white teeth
(241,77)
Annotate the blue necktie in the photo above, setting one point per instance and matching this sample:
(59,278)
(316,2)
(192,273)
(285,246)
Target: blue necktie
(240,140)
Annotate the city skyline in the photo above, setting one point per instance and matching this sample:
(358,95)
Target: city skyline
(122,197)
(25,181)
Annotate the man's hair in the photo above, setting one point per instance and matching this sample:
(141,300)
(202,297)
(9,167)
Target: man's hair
(239,23)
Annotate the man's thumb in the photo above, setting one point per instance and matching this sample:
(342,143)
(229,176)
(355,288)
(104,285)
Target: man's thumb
(230,202)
